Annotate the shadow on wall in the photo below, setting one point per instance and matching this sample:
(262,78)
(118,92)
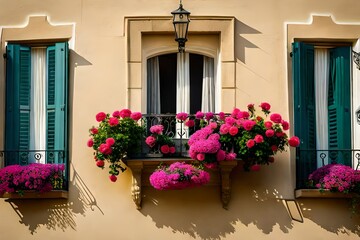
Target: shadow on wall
(56,213)
(241,42)
(334,215)
(198,212)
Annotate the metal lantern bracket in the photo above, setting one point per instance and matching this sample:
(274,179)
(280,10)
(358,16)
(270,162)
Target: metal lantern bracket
(356,57)
(181,24)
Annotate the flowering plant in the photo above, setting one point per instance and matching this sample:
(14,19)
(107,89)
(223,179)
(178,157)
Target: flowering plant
(117,136)
(160,142)
(242,134)
(336,178)
(178,176)
(35,176)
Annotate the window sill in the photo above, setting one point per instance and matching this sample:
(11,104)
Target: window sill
(143,168)
(316,193)
(30,194)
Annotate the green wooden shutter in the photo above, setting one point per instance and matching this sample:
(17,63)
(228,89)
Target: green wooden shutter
(18,95)
(304,109)
(57,68)
(339,105)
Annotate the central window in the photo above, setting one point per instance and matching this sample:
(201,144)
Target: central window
(180,82)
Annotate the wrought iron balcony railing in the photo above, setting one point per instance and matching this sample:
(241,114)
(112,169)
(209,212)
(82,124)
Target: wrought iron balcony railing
(308,160)
(25,157)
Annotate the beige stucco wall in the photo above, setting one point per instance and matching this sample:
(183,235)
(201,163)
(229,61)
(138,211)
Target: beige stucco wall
(99,72)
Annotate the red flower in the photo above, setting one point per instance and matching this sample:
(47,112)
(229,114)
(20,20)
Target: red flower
(172,150)
(248,124)
(113,178)
(265,106)
(190,123)
(233,130)
(258,138)
(136,116)
(276,118)
(110,141)
(165,149)
(94,130)
(268,124)
(113,121)
(116,114)
(100,163)
(269,133)
(285,125)
(90,142)
(182,116)
(294,141)
(100,116)
(200,156)
(125,113)
(250,143)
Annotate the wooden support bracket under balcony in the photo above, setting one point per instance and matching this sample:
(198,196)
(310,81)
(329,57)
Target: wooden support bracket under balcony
(142,169)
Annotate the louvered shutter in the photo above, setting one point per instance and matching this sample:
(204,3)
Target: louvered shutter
(304,109)
(339,105)
(57,58)
(17,120)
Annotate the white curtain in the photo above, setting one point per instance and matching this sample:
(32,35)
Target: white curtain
(183,83)
(208,88)
(321,73)
(38,103)
(153,86)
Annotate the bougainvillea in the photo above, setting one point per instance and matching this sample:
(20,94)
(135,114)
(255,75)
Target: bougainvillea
(35,176)
(178,176)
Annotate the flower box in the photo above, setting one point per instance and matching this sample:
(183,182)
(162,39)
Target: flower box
(31,194)
(316,193)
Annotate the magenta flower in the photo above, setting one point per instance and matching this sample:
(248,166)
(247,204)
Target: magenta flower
(209,115)
(113,121)
(116,113)
(125,113)
(157,129)
(136,116)
(105,148)
(222,116)
(100,116)
(268,124)
(294,141)
(248,124)
(233,130)
(90,142)
(94,130)
(165,149)
(265,106)
(224,129)
(200,156)
(285,125)
(182,116)
(269,133)
(259,139)
(250,143)
(110,141)
(172,150)
(190,123)
(150,141)
(199,115)
(276,118)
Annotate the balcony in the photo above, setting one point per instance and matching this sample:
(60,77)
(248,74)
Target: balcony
(25,157)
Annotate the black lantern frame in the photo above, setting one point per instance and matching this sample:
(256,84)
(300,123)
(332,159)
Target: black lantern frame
(181,24)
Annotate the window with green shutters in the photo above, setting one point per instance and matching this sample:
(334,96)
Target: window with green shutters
(18,107)
(338,108)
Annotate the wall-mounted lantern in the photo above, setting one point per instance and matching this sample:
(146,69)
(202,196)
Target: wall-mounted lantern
(181,25)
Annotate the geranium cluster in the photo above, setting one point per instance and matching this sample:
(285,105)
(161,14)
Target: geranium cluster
(35,176)
(245,135)
(205,146)
(117,136)
(178,176)
(160,142)
(336,178)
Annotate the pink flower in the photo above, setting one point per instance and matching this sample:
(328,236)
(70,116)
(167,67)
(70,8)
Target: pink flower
(224,129)
(200,156)
(172,150)
(100,163)
(190,123)
(222,116)
(269,133)
(250,143)
(113,121)
(265,106)
(113,178)
(116,114)
(136,116)
(255,167)
(105,148)
(125,113)
(258,138)
(235,112)
(150,141)
(157,129)
(294,141)
(199,115)
(100,116)
(90,142)
(209,115)
(276,118)
(268,124)
(165,149)
(182,116)
(110,141)
(230,156)
(248,124)
(285,125)
(244,115)
(233,130)
(213,125)
(230,120)
(94,130)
